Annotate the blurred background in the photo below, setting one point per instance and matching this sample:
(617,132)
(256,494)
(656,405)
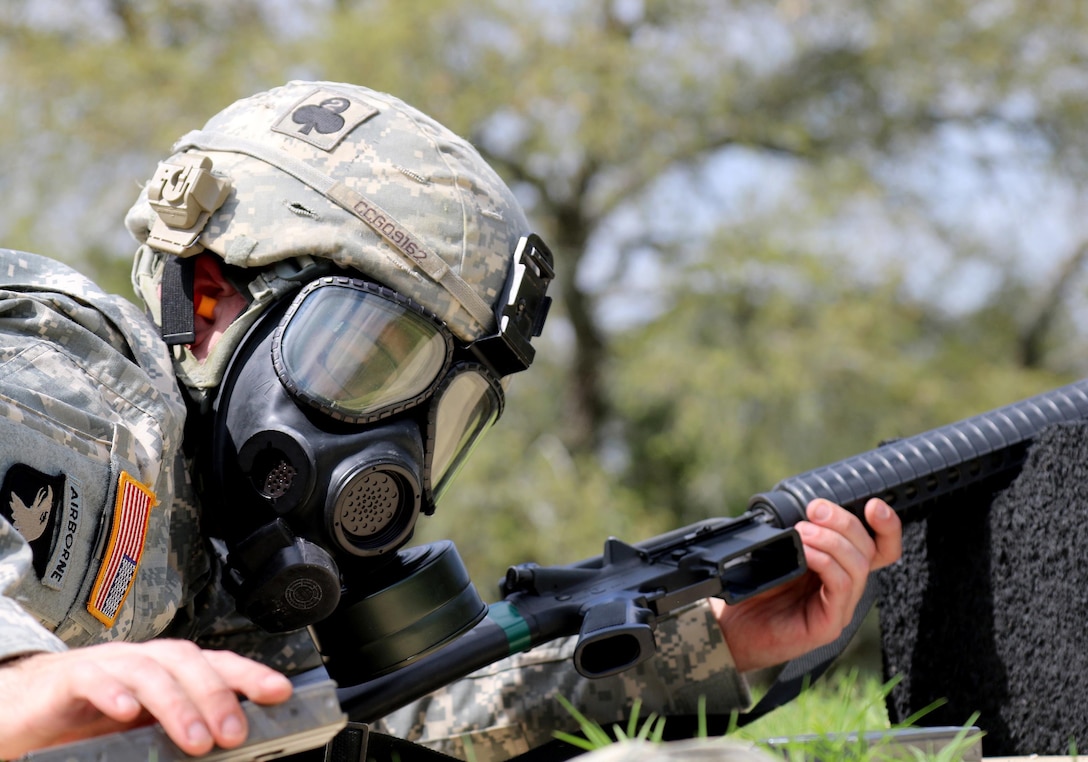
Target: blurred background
(785,231)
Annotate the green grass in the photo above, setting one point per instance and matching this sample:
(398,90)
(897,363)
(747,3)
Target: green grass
(831,715)
(818,724)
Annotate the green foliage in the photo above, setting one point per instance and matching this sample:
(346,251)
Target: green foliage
(650,728)
(843,718)
(777,361)
(843,702)
(839,718)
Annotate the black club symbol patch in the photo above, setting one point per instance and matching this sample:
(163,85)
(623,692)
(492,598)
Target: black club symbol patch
(324,117)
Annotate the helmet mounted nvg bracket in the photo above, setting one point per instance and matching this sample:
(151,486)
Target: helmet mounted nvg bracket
(184,194)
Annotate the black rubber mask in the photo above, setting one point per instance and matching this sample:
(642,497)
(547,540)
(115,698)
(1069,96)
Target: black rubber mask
(344,414)
(316,489)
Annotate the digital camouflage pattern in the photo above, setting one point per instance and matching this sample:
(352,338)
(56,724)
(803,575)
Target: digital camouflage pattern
(510,707)
(343,173)
(88,393)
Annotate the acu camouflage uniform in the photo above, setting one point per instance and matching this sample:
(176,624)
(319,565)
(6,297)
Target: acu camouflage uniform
(87,395)
(100,539)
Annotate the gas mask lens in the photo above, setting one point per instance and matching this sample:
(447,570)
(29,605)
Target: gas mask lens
(358,351)
(465,407)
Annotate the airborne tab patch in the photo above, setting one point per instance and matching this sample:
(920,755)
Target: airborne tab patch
(323,118)
(123,551)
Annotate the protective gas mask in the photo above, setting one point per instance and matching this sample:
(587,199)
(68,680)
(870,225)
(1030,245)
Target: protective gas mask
(344,414)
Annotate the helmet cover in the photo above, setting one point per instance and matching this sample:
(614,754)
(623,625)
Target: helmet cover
(343,173)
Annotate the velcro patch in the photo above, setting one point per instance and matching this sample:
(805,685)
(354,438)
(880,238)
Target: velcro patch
(123,551)
(323,118)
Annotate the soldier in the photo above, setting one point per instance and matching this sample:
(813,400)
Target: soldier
(329,273)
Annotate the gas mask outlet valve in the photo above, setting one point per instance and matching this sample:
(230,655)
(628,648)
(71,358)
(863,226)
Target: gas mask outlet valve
(282,582)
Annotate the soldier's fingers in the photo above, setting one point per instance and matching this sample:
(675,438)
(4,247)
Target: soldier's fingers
(163,697)
(888,529)
(101,690)
(173,682)
(842,570)
(256,681)
(841,521)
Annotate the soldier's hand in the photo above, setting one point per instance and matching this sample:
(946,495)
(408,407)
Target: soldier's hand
(813,610)
(52,698)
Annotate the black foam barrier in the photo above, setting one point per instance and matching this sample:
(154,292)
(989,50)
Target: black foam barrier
(988,608)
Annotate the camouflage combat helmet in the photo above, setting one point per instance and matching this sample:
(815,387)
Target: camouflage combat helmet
(328,172)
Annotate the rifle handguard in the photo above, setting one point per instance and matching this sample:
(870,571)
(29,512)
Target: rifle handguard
(916,471)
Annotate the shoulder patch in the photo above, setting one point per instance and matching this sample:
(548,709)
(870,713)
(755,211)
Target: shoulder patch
(323,118)
(124,549)
(33,502)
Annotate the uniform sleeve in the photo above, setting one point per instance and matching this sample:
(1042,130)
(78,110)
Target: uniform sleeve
(20,633)
(510,707)
(91,423)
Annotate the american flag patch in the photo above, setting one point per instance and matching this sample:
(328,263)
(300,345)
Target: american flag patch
(123,551)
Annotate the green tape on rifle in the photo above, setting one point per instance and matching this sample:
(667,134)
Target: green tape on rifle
(516,628)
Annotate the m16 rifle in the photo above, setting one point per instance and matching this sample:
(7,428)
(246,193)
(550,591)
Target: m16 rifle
(612,602)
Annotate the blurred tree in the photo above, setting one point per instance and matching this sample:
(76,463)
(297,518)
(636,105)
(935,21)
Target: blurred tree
(593,108)
(776,365)
(93,99)
(784,230)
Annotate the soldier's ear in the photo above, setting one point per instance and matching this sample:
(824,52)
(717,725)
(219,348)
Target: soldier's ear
(208,279)
(216,301)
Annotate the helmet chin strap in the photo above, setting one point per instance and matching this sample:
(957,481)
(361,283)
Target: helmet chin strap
(178,310)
